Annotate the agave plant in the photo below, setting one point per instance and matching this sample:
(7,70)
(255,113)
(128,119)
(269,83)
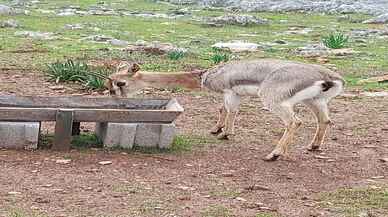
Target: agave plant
(75,71)
(67,71)
(335,40)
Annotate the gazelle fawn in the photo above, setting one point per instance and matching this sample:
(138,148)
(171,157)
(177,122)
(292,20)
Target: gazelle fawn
(280,85)
(128,79)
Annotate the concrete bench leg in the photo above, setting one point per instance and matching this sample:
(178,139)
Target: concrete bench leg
(127,135)
(116,134)
(19,135)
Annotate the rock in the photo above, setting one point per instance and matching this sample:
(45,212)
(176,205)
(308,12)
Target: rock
(36,35)
(105,162)
(116,42)
(321,157)
(98,38)
(364,33)
(73,26)
(241,199)
(153,47)
(234,19)
(377,177)
(63,161)
(342,52)
(321,6)
(297,31)
(9,24)
(5,10)
(257,188)
(237,46)
(383,18)
(152,15)
(67,12)
(314,50)
(379,79)
(375,94)
(57,87)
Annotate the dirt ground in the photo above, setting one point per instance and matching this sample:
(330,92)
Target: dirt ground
(221,179)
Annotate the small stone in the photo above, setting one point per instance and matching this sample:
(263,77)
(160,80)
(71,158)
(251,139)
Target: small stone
(42,200)
(321,157)
(63,161)
(237,46)
(105,162)
(241,199)
(377,177)
(9,24)
(184,198)
(185,188)
(57,87)
(257,188)
(228,174)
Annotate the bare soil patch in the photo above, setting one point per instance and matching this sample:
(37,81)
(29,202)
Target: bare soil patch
(221,179)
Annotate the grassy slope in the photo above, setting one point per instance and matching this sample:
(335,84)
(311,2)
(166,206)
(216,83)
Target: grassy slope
(180,32)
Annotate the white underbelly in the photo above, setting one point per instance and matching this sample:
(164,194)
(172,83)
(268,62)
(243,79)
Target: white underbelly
(244,90)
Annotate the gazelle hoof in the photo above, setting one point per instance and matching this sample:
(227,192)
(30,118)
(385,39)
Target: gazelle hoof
(271,157)
(223,136)
(314,148)
(216,131)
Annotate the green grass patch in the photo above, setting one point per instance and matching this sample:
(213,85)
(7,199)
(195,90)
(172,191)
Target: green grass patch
(176,55)
(181,144)
(335,40)
(82,141)
(17,212)
(88,140)
(216,211)
(351,202)
(183,33)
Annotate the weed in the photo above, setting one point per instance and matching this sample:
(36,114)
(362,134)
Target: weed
(86,141)
(67,71)
(335,40)
(219,58)
(176,54)
(74,71)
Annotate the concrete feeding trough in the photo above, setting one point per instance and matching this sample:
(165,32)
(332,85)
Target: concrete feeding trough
(148,122)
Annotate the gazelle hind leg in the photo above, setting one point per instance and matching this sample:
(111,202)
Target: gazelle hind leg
(221,121)
(288,116)
(321,112)
(232,104)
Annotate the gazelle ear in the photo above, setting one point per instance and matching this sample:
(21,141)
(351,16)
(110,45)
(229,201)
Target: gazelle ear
(135,67)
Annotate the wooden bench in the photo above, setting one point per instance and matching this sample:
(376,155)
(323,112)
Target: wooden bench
(68,112)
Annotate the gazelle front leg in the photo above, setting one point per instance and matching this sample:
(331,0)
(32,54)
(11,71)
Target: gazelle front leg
(221,121)
(232,104)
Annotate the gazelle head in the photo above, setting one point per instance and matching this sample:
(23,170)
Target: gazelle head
(118,80)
